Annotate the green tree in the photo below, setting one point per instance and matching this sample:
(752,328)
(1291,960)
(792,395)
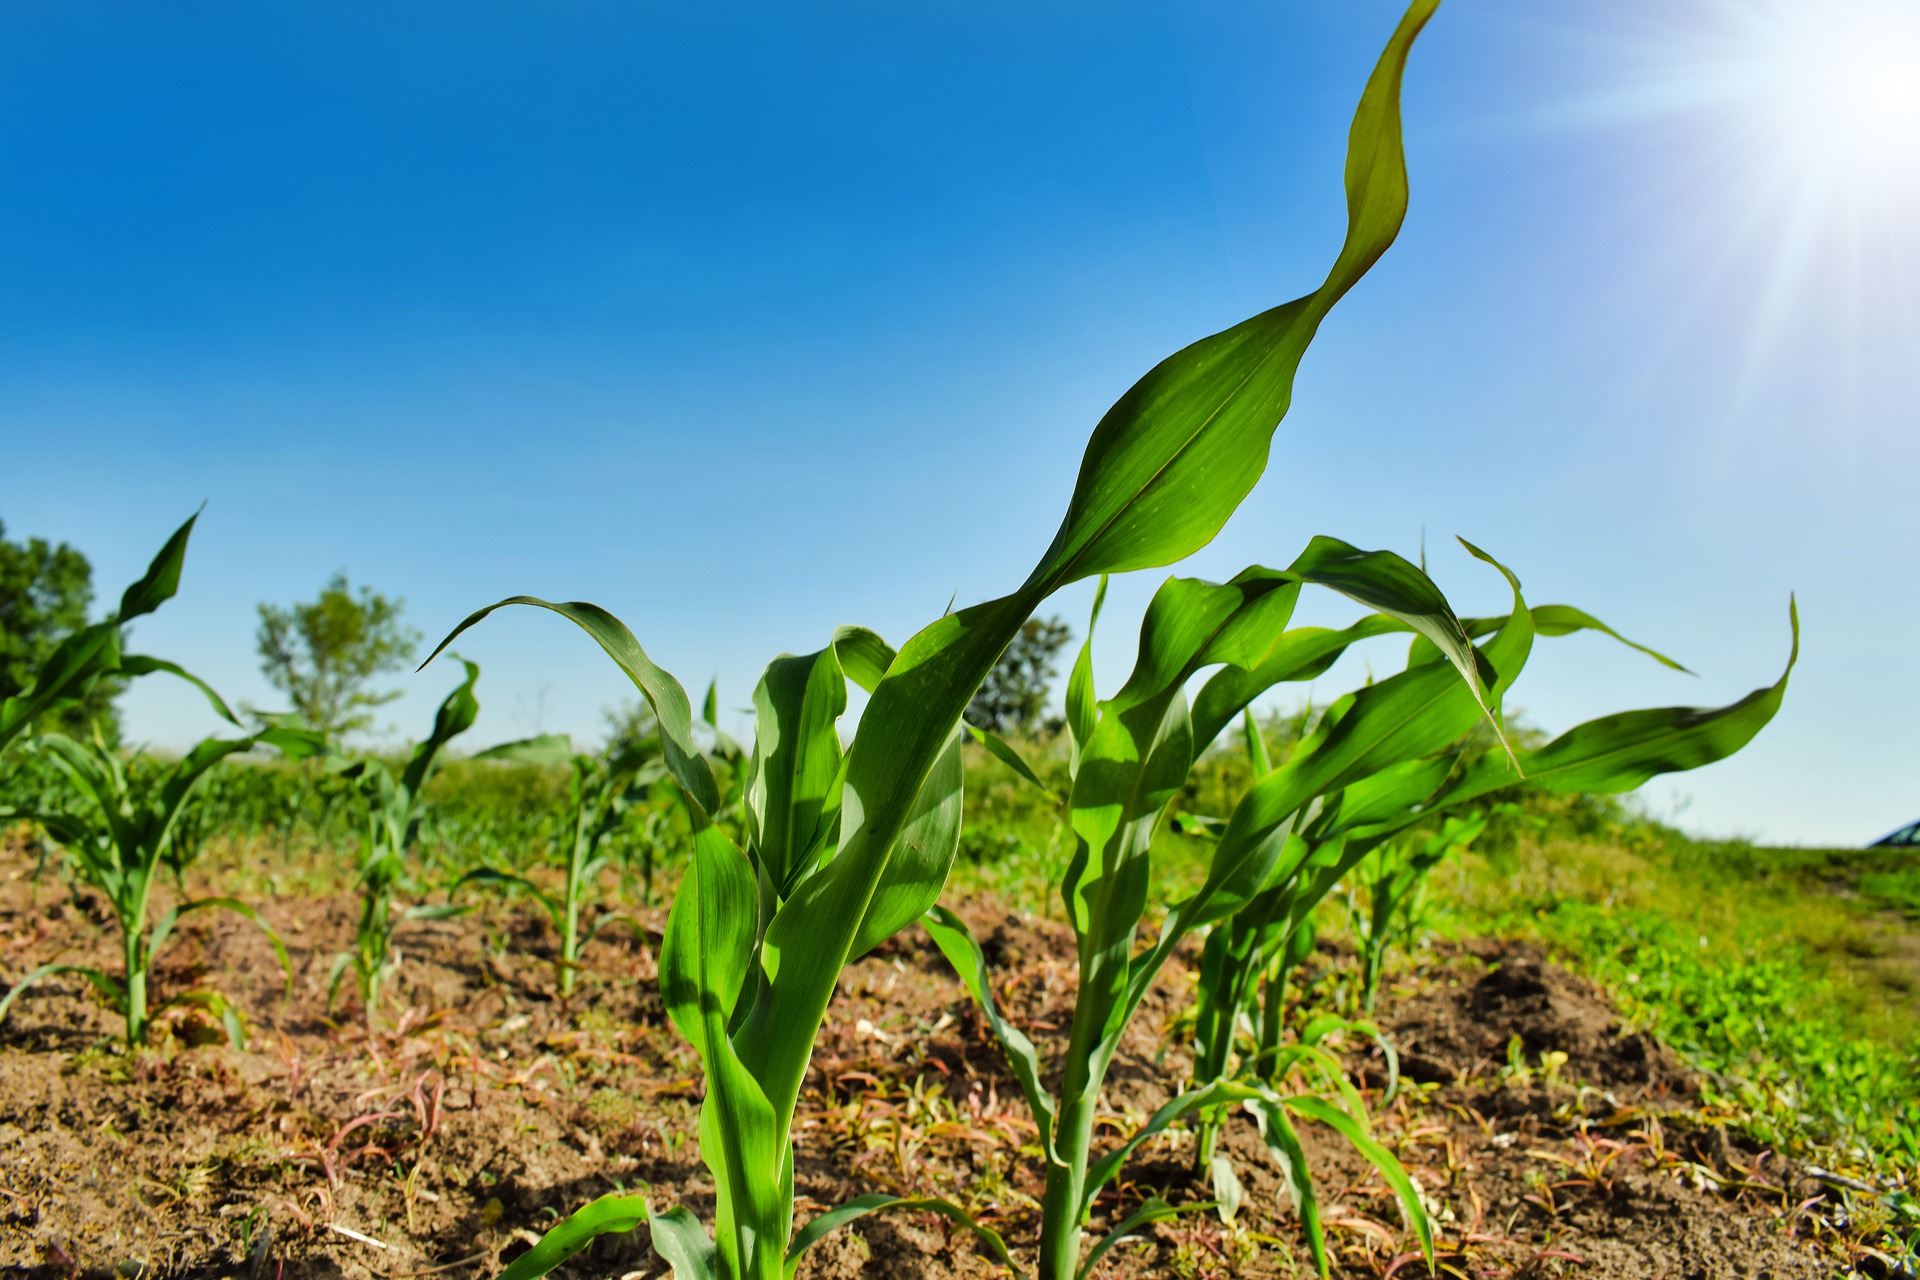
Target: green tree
(1013,698)
(322,655)
(46,590)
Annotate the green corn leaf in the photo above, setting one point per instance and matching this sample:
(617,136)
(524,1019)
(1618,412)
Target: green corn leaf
(1190,624)
(1390,584)
(507,882)
(861,1206)
(162,930)
(704,963)
(542,749)
(1405,717)
(796,761)
(923,854)
(663,693)
(1204,1098)
(1006,753)
(456,715)
(1141,748)
(1403,598)
(1393,793)
(1176,455)
(139,664)
(187,775)
(67,673)
(684,1243)
(1082,709)
(957,943)
(1380,1158)
(94,650)
(1257,758)
(1304,653)
(162,578)
(610,1214)
(709,936)
(1283,1143)
(863,655)
(336,974)
(1620,752)
(1564,619)
(743,1144)
(109,987)
(1153,1210)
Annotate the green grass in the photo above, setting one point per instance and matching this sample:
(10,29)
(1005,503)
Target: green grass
(1785,974)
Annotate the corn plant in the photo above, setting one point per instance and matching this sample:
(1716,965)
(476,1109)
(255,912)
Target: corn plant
(1394,880)
(94,652)
(845,847)
(1333,808)
(393,810)
(601,791)
(1131,756)
(117,829)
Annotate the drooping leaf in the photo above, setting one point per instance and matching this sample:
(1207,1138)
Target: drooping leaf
(610,1214)
(1283,1143)
(139,664)
(109,988)
(1006,753)
(957,943)
(1564,619)
(1619,752)
(663,693)
(1152,1210)
(863,655)
(861,1206)
(1411,1210)
(161,931)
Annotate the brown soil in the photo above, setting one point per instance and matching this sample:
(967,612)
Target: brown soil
(483,1107)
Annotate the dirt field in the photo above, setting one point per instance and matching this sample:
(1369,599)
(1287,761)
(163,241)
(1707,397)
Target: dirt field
(482,1107)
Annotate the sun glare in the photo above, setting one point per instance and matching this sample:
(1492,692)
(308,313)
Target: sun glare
(1837,86)
(1777,159)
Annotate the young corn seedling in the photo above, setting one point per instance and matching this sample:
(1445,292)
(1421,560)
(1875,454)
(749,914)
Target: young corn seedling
(94,652)
(1132,754)
(600,792)
(845,847)
(394,810)
(1394,880)
(1333,807)
(116,829)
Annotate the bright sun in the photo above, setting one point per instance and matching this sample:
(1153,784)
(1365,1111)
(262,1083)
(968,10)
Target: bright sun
(1835,85)
(1778,158)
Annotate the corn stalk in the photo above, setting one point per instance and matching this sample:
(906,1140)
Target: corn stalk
(600,790)
(94,652)
(117,830)
(394,806)
(844,848)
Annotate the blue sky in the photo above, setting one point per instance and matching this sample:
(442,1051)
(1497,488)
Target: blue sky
(746,322)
